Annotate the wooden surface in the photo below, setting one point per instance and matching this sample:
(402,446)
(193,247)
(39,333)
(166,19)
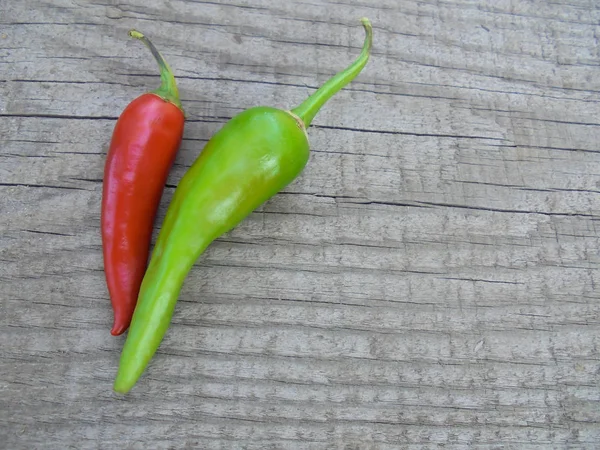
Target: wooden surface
(432,278)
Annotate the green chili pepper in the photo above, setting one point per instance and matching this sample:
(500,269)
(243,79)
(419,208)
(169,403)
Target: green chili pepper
(255,155)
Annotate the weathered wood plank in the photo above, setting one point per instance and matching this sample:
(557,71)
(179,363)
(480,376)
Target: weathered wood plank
(430,279)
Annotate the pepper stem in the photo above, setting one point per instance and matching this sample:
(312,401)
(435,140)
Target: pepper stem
(310,107)
(168,86)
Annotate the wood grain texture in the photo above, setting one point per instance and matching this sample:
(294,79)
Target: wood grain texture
(430,280)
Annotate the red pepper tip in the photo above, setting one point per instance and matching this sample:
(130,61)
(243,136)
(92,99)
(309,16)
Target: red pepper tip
(118,329)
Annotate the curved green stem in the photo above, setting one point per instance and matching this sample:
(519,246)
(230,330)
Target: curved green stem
(310,107)
(168,86)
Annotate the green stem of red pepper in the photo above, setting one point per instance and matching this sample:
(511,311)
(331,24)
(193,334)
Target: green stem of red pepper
(168,86)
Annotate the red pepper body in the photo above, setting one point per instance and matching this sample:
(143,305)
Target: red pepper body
(144,144)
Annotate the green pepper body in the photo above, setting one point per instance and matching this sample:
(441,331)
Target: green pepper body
(255,155)
(249,160)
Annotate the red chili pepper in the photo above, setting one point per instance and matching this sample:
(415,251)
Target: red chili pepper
(145,141)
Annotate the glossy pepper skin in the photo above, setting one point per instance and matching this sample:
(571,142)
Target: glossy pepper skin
(143,146)
(254,156)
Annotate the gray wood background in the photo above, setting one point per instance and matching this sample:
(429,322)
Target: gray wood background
(432,278)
